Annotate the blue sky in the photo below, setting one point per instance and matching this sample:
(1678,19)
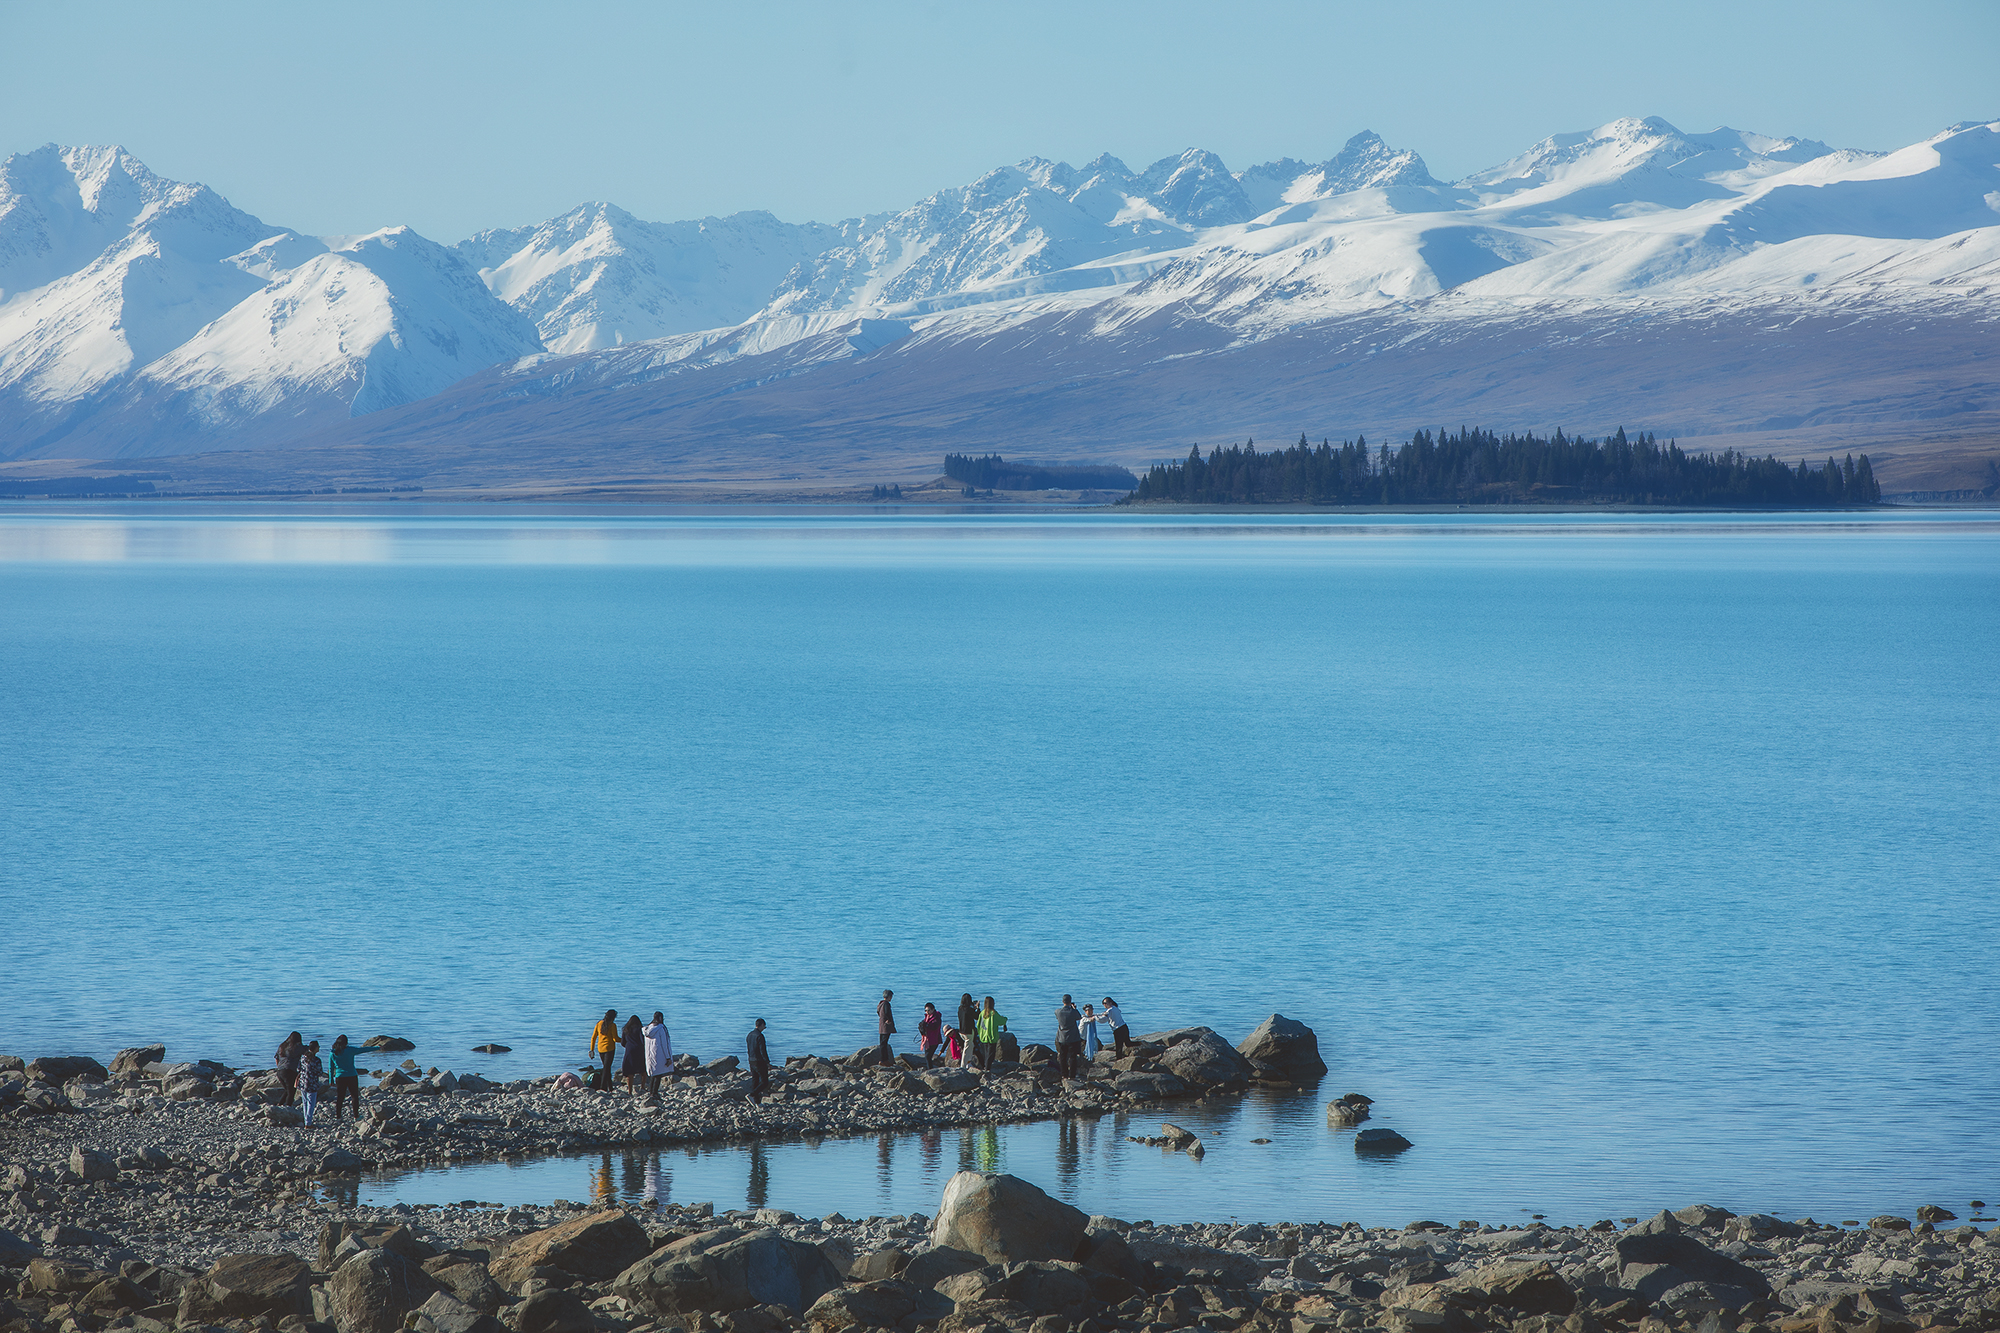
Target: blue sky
(456,117)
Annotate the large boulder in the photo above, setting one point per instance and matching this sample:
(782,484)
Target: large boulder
(60,1069)
(47,1277)
(445,1313)
(1004,1219)
(1148,1087)
(871,1305)
(727,1269)
(468,1281)
(1529,1288)
(1206,1060)
(246,1286)
(15,1251)
(938,1263)
(1045,1287)
(134,1059)
(595,1247)
(553,1311)
(374,1291)
(340,1241)
(1655,1264)
(1285,1044)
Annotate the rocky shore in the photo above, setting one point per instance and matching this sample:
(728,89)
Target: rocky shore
(131,1199)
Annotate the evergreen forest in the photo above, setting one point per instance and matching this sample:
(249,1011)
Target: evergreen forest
(1481,467)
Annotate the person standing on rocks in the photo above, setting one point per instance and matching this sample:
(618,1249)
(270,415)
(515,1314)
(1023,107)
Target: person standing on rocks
(659,1055)
(930,1031)
(1069,1042)
(760,1063)
(885,1028)
(990,1025)
(1087,1025)
(603,1043)
(634,1042)
(968,1018)
(290,1051)
(1121,1035)
(311,1073)
(346,1079)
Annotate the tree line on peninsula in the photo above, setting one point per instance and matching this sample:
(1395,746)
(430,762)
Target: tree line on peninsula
(1482,467)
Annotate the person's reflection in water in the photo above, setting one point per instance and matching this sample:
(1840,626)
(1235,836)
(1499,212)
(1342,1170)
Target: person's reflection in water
(1067,1152)
(601,1188)
(342,1191)
(930,1149)
(986,1148)
(759,1192)
(634,1176)
(659,1184)
(885,1148)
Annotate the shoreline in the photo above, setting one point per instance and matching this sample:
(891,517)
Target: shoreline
(139,1187)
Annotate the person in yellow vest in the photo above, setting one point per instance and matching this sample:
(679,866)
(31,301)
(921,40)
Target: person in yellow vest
(987,1029)
(603,1045)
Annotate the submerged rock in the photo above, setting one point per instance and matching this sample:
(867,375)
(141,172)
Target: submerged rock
(1380,1141)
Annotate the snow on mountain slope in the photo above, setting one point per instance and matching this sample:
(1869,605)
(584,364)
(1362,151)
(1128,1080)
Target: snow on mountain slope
(386,319)
(126,289)
(599,277)
(148,259)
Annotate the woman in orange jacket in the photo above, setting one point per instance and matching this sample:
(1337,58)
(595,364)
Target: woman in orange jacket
(603,1045)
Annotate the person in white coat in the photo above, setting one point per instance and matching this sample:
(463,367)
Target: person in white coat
(659,1054)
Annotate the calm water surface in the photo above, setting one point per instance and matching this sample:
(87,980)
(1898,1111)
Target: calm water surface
(1625,860)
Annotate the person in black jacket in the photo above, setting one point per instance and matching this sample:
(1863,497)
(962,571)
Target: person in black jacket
(968,1016)
(760,1063)
(885,1028)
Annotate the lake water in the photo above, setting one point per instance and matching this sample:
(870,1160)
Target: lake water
(1626,860)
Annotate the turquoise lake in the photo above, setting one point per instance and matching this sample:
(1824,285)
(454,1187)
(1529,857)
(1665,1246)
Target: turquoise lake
(1626,860)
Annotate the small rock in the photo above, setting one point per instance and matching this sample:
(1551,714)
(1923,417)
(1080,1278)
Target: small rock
(1888,1223)
(90,1165)
(386,1043)
(1379,1141)
(492,1048)
(1930,1212)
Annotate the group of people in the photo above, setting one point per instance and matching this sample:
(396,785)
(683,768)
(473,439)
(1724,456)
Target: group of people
(648,1048)
(974,1042)
(301,1075)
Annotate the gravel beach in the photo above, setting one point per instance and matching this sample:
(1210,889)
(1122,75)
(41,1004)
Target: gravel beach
(149,1196)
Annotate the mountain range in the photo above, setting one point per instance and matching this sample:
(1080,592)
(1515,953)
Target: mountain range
(1728,288)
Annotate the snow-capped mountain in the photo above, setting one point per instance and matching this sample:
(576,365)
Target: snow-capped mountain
(140,316)
(599,277)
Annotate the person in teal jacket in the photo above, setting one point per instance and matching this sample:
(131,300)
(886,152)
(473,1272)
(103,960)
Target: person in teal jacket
(346,1079)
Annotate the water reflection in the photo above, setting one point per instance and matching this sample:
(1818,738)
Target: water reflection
(758,1193)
